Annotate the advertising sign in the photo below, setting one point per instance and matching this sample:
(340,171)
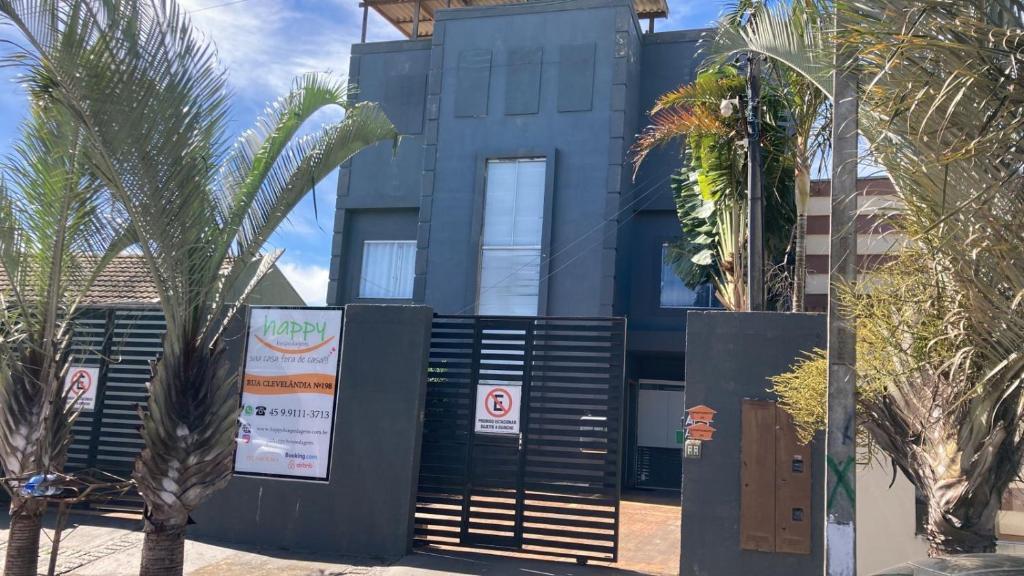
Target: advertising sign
(82,382)
(289,393)
(497,409)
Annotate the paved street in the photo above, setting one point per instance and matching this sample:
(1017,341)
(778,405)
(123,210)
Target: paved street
(106,546)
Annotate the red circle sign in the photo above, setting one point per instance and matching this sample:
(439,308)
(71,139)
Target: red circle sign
(498,403)
(81,381)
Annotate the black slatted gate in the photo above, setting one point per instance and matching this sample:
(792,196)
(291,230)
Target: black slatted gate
(553,488)
(121,342)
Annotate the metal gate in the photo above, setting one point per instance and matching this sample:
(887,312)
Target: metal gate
(554,487)
(120,342)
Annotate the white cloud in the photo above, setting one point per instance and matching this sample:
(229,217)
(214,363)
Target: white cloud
(309,280)
(264,47)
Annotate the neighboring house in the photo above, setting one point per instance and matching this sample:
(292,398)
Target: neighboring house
(876,239)
(512,192)
(126,282)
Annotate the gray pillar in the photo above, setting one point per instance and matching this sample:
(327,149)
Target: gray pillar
(367,507)
(366,13)
(380,426)
(841,466)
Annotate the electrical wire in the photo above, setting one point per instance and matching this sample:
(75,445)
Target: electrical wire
(653,188)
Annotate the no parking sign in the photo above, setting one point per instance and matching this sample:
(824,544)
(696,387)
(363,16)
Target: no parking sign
(497,409)
(81,382)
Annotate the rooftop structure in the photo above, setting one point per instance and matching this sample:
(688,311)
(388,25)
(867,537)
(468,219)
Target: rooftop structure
(415,18)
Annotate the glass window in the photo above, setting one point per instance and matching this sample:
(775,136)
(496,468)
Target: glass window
(388,269)
(674,294)
(512,235)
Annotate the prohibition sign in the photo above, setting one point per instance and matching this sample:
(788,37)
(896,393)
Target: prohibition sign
(498,403)
(81,381)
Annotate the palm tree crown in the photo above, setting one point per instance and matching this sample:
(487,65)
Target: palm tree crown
(152,102)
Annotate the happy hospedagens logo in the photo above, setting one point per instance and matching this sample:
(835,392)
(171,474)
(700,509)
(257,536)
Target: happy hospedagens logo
(291,337)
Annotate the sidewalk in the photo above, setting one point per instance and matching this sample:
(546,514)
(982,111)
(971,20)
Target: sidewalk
(107,546)
(101,546)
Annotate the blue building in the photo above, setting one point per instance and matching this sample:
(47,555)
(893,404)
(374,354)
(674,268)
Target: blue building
(512,191)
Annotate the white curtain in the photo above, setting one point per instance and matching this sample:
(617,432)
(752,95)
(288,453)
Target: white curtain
(512,235)
(509,281)
(388,269)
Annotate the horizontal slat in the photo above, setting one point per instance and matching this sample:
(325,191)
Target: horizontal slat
(571,370)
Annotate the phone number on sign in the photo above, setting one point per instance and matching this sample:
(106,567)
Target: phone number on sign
(299,413)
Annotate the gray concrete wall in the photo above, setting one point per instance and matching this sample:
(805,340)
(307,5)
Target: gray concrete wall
(381,177)
(363,225)
(367,507)
(729,357)
(491,83)
(577,118)
(495,87)
(667,60)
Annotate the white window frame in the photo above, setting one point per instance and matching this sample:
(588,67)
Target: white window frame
(363,264)
(484,248)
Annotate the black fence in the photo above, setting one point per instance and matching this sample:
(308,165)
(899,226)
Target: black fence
(554,487)
(120,342)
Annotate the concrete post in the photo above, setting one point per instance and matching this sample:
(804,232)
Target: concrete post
(755,194)
(367,509)
(841,445)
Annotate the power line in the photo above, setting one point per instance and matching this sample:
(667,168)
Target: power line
(221,5)
(653,188)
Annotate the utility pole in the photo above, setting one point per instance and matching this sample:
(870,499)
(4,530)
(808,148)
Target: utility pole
(755,197)
(841,445)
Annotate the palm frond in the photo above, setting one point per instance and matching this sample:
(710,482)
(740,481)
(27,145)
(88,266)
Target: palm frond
(793,33)
(59,232)
(150,98)
(298,168)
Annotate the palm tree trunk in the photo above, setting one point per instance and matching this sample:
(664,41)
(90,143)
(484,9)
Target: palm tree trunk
(945,538)
(800,268)
(802,192)
(163,550)
(23,539)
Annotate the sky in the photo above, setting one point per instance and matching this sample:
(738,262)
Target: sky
(264,44)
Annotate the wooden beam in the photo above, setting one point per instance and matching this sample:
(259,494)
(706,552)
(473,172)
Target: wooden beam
(416,20)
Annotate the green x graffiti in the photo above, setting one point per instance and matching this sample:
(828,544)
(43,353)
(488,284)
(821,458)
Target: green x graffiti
(842,474)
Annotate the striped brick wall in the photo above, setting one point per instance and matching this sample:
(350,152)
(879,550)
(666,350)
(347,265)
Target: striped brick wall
(876,238)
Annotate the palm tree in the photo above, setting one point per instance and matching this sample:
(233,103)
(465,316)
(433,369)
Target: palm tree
(742,30)
(152,102)
(56,235)
(941,111)
(710,190)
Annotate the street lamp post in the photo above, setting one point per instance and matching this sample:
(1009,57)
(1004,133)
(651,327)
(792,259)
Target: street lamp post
(755,200)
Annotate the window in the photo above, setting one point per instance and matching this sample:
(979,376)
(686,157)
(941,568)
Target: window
(388,269)
(512,234)
(674,294)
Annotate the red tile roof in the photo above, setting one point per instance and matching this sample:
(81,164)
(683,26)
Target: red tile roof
(125,281)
